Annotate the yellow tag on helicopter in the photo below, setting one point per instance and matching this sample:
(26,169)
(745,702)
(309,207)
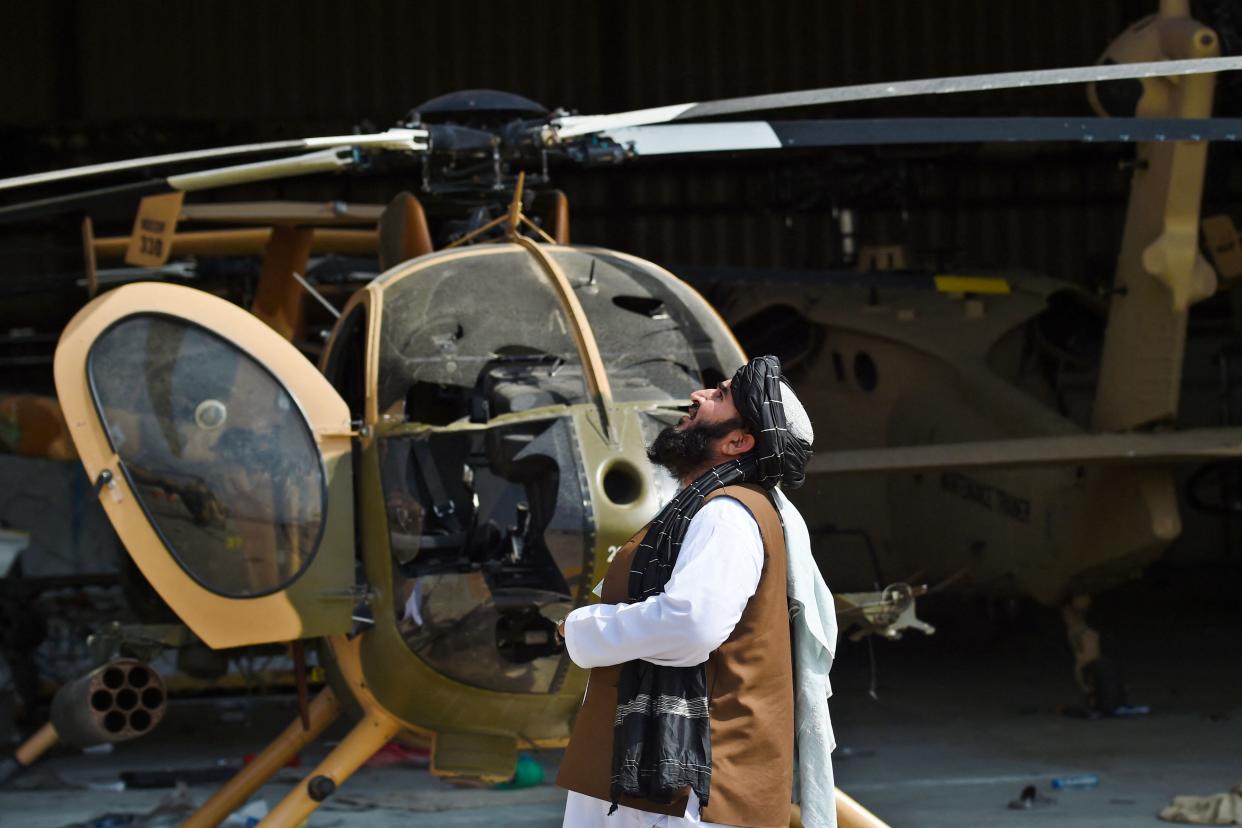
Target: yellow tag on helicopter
(971,284)
(150,243)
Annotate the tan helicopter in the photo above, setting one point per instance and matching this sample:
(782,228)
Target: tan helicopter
(458,472)
(948,425)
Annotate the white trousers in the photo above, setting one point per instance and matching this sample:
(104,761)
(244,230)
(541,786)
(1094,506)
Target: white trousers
(582,811)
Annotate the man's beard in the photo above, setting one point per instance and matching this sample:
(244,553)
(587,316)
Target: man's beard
(687,451)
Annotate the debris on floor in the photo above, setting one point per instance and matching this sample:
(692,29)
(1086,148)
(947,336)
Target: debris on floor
(1075,781)
(168,813)
(1131,710)
(1217,809)
(248,815)
(527,774)
(1123,711)
(1031,798)
(395,754)
(161,778)
(43,780)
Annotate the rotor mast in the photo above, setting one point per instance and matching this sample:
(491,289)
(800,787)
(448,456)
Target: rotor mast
(596,376)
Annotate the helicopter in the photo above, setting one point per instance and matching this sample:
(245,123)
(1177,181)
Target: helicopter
(1007,432)
(451,478)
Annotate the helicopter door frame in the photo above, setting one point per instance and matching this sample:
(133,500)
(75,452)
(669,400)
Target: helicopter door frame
(314,601)
(369,298)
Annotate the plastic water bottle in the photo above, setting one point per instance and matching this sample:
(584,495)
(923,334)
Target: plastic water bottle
(1078,780)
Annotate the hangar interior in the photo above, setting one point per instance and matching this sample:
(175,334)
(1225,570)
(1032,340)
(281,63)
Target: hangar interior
(1048,477)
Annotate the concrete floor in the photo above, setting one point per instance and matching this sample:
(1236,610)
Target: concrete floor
(965,719)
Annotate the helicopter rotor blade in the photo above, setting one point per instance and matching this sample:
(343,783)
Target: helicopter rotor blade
(328,160)
(734,136)
(407,140)
(1135,449)
(574,125)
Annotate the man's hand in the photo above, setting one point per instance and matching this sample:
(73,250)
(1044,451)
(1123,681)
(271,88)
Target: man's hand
(560,633)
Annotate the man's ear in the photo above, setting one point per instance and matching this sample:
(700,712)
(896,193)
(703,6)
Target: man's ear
(738,442)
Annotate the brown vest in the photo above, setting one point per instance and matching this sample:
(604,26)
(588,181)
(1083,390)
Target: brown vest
(751,698)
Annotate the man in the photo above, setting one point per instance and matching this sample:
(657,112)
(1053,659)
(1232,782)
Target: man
(693,702)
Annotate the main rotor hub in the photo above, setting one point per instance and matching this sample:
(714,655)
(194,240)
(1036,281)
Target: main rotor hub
(477,106)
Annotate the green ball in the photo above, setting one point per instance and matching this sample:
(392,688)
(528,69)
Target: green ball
(527,774)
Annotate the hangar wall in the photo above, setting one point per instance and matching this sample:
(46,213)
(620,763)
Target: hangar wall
(109,61)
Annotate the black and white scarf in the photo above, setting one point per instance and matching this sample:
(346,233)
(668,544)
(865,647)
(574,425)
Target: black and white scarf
(662,733)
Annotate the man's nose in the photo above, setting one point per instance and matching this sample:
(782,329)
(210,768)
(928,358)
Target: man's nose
(698,396)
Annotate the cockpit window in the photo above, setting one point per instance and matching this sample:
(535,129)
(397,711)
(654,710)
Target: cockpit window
(484,333)
(652,344)
(218,453)
(488,529)
(453,331)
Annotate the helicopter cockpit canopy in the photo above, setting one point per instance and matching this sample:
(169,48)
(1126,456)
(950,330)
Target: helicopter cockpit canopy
(484,409)
(439,344)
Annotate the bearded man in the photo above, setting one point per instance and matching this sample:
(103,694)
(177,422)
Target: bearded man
(694,707)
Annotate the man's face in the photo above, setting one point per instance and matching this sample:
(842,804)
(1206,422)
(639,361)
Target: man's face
(710,406)
(711,433)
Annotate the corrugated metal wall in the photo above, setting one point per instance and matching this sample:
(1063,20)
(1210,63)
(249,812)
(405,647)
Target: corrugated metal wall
(327,60)
(269,68)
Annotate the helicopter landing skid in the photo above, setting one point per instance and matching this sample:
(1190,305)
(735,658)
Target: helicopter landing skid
(324,709)
(374,731)
(1097,675)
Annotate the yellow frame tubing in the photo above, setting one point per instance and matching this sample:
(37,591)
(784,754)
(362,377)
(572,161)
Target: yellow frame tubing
(367,737)
(588,350)
(39,743)
(324,709)
(244,241)
(852,815)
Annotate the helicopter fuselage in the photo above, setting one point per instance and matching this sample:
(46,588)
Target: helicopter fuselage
(897,368)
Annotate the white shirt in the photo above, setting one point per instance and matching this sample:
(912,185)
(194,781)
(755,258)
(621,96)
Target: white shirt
(814,615)
(716,573)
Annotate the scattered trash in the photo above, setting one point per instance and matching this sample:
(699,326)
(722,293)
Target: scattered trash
(210,775)
(105,747)
(528,774)
(1031,798)
(1217,809)
(170,812)
(248,815)
(115,786)
(112,820)
(1217,716)
(395,754)
(1077,780)
(351,804)
(1132,710)
(1120,712)
(45,780)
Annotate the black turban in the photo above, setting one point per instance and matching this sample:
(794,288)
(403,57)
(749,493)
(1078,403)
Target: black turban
(781,456)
